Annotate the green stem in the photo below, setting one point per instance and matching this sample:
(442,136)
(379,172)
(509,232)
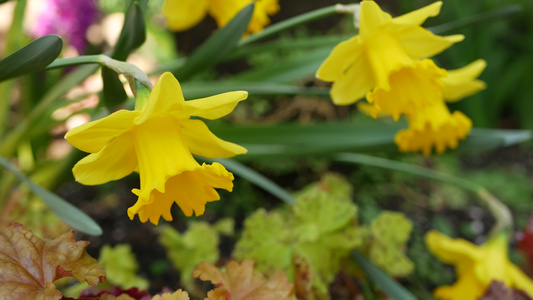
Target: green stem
(500,212)
(495,14)
(75,61)
(289,23)
(131,72)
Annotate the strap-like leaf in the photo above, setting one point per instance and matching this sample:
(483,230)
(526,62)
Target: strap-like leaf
(133,32)
(67,212)
(217,46)
(31,58)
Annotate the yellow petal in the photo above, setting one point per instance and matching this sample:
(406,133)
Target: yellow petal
(224,10)
(420,43)
(116,160)
(164,98)
(440,130)
(451,251)
(519,280)
(385,54)
(191,190)
(462,82)
(467,287)
(340,59)
(215,107)
(260,18)
(184,14)
(371,18)
(161,153)
(419,16)
(353,85)
(204,143)
(93,136)
(411,89)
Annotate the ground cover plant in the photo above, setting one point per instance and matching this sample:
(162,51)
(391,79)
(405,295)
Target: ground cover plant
(265,149)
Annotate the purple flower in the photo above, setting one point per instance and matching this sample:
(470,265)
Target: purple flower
(68,18)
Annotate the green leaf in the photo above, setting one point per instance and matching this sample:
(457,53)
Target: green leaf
(318,232)
(333,137)
(31,58)
(121,267)
(113,93)
(267,240)
(133,32)
(388,285)
(288,70)
(389,233)
(199,243)
(195,90)
(217,46)
(67,212)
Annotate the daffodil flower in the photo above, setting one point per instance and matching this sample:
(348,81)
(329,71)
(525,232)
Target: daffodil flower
(412,89)
(157,141)
(476,266)
(383,46)
(184,14)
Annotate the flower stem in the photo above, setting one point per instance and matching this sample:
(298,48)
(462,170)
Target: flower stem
(131,72)
(289,23)
(500,212)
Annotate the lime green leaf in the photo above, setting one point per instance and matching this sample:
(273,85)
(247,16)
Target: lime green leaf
(133,32)
(390,287)
(320,231)
(217,46)
(267,240)
(199,243)
(31,265)
(31,58)
(321,214)
(67,212)
(121,267)
(225,226)
(389,233)
(332,184)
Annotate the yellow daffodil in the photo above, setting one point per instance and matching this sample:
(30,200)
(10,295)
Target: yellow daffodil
(430,122)
(433,126)
(157,141)
(383,46)
(184,14)
(424,84)
(476,266)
